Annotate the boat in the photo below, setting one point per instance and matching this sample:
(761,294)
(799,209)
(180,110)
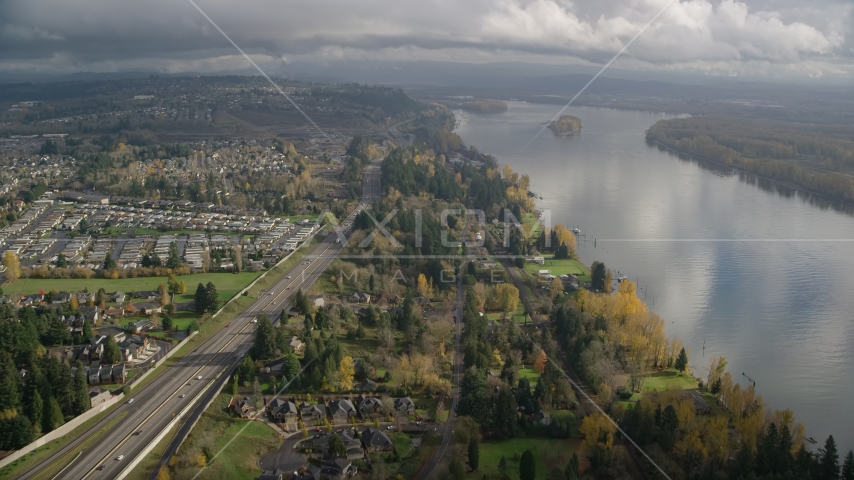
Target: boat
(576,230)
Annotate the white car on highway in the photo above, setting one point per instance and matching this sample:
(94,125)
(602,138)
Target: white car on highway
(120,457)
(199,377)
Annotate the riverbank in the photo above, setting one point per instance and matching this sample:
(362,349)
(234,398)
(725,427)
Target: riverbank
(730,266)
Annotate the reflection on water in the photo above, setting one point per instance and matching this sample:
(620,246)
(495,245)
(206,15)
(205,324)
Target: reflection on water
(726,257)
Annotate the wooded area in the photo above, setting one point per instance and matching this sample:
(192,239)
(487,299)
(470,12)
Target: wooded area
(818,158)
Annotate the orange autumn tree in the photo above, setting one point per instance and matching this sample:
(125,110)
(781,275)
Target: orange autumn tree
(540,362)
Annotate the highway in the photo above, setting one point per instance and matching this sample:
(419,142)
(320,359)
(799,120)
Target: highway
(150,410)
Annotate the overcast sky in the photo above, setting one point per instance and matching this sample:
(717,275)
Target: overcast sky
(762,38)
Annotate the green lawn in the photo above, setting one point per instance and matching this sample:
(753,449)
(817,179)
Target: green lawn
(209,437)
(518,316)
(532,375)
(668,379)
(561,267)
(548,453)
(227,284)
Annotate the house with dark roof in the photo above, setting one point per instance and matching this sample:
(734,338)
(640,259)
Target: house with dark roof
(336,468)
(117,296)
(366,385)
(283,412)
(272,475)
(540,418)
(341,410)
(312,412)
(376,440)
(61,297)
(244,408)
(370,407)
(404,406)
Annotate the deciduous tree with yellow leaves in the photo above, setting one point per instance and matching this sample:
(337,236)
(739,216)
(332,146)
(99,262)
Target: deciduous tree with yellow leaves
(346,372)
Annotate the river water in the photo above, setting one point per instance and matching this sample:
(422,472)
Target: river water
(755,273)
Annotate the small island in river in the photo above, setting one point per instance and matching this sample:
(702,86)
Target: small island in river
(565,126)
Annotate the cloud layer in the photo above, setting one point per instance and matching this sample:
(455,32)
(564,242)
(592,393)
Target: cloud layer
(764,38)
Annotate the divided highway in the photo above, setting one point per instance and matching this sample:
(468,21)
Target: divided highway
(151,409)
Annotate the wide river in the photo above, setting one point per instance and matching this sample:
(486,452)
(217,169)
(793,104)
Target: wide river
(765,279)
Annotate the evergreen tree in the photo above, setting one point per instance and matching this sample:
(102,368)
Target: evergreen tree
(371,283)
(474,453)
(193,326)
(174,260)
(52,417)
(80,400)
(265,338)
(828,462)
(682,361)
(18,432)
(200,299)
(336,446)
(233,390)
(527,466)
(456,469)
(212,302)
(87,330)
(10,396)
(848,466)
(504,415)
(111,354)
(109,262)
(571,471)
(502,465)
(34,405)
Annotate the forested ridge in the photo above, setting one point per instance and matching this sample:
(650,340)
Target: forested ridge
(818,158)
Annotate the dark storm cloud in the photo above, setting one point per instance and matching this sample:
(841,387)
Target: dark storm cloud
(722,36)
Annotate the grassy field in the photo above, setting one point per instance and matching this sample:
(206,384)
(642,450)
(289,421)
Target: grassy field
(227,284)
(561,267)
(209,437)
(548,453)
(668,379)
(532,375)
(518,316)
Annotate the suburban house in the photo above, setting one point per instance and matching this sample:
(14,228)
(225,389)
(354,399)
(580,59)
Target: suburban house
(114,312)
(360,297)
(146,295)
(540,418)
(296,345)
(317,300)
(341,410)
(353,444)
(134,345)
(244,408)
(376,440)
(98,396)
(61,297)
(283,412)
(312,412)
(149,308)
(116,296)
(366,385)
(336,468)
(320,443)
(388,299)
(140,326)
(93,314)
(404,406)
(272,475)
(369,406)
